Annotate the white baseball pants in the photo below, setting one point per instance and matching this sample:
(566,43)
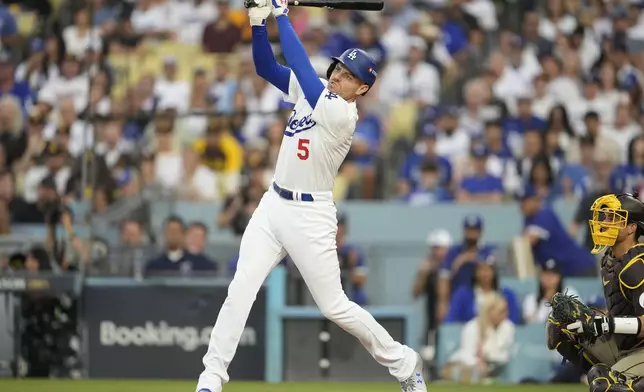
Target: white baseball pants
(307,232)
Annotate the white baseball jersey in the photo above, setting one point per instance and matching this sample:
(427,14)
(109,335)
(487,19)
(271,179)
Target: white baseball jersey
(316,141)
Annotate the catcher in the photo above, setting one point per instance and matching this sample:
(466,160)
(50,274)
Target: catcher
(608,346)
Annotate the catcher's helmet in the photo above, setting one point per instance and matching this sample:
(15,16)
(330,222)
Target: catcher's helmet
(611,213)
(359,63)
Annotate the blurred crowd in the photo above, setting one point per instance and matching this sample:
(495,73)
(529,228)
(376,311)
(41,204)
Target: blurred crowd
(469,107)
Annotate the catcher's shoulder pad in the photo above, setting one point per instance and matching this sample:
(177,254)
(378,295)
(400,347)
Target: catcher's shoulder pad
(632,274)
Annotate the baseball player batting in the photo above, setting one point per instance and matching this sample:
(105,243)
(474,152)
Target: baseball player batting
(297,214)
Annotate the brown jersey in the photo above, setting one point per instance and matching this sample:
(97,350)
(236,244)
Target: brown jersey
(623,280)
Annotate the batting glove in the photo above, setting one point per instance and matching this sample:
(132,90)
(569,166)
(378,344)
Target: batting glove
(279,7)
(259,12)
(593,328)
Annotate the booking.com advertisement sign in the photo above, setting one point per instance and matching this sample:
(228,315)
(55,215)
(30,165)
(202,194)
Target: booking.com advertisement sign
(163,332)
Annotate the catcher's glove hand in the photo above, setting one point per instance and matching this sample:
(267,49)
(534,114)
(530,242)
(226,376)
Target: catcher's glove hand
(579,318)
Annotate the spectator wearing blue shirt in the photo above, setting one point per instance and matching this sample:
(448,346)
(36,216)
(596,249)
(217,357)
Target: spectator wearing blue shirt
(9,86)
(176,259)
(454,31)
(410,174)
(574,178)
(461,260)
(428,190)
(480,187)
(467,299)
(366,139)
(353,270)
(196,239)
(494,141)
(549,239)
(338,37)
(515,127)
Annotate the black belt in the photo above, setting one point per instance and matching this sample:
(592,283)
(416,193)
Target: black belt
(288,195)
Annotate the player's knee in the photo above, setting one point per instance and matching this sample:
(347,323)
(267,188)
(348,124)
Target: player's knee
(600,384)
(598,371)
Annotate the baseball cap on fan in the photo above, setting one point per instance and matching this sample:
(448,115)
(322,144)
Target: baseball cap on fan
(439,237)
(473,222)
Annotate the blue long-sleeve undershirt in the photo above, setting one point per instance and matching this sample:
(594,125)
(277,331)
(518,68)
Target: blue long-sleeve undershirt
(298,60)
(265,64)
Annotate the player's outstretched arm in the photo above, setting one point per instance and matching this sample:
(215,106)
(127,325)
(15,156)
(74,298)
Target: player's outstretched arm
(265,64)
(296,55)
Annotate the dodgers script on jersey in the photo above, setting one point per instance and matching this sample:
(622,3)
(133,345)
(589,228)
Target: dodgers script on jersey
(316,141)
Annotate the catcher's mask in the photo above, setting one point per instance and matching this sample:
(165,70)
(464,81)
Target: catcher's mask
(612,213)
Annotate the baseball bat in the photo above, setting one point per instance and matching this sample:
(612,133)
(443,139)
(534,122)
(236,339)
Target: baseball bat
(355,5)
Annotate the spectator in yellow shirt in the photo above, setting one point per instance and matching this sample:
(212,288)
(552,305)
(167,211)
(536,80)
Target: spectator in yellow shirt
(222,153)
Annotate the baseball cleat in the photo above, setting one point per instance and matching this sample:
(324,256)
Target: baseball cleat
(415,383)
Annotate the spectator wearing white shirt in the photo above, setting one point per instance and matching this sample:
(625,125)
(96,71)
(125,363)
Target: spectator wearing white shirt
(516,77)
(199,183)
(564,77)
(190,17)
(623,130)
(535,305)
(485,347)
(168,162)
(151,19)
(193,126)
(608,82)
(542,102)
(484,12)
(591,100)
(452,142)
(414,79)
(172,93)
(55,165)
(81,35)
(262,101)
(391,37)
(556,21)
(221,92)
(80,133)
(112,146)
(476,111)
(70,84)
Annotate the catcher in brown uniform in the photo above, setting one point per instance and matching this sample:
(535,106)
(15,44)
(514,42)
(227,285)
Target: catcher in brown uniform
(608,346)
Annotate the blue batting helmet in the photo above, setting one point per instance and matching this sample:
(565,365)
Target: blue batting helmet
(359,63)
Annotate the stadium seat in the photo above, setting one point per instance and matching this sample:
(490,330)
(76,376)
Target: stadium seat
(520,287)
(586,287)
(530,358)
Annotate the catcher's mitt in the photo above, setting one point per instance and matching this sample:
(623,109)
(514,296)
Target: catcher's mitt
(566,309)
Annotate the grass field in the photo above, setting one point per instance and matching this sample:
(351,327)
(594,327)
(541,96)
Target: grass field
(174,386)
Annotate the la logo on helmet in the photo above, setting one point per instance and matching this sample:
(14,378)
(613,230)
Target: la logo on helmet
(353,55)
